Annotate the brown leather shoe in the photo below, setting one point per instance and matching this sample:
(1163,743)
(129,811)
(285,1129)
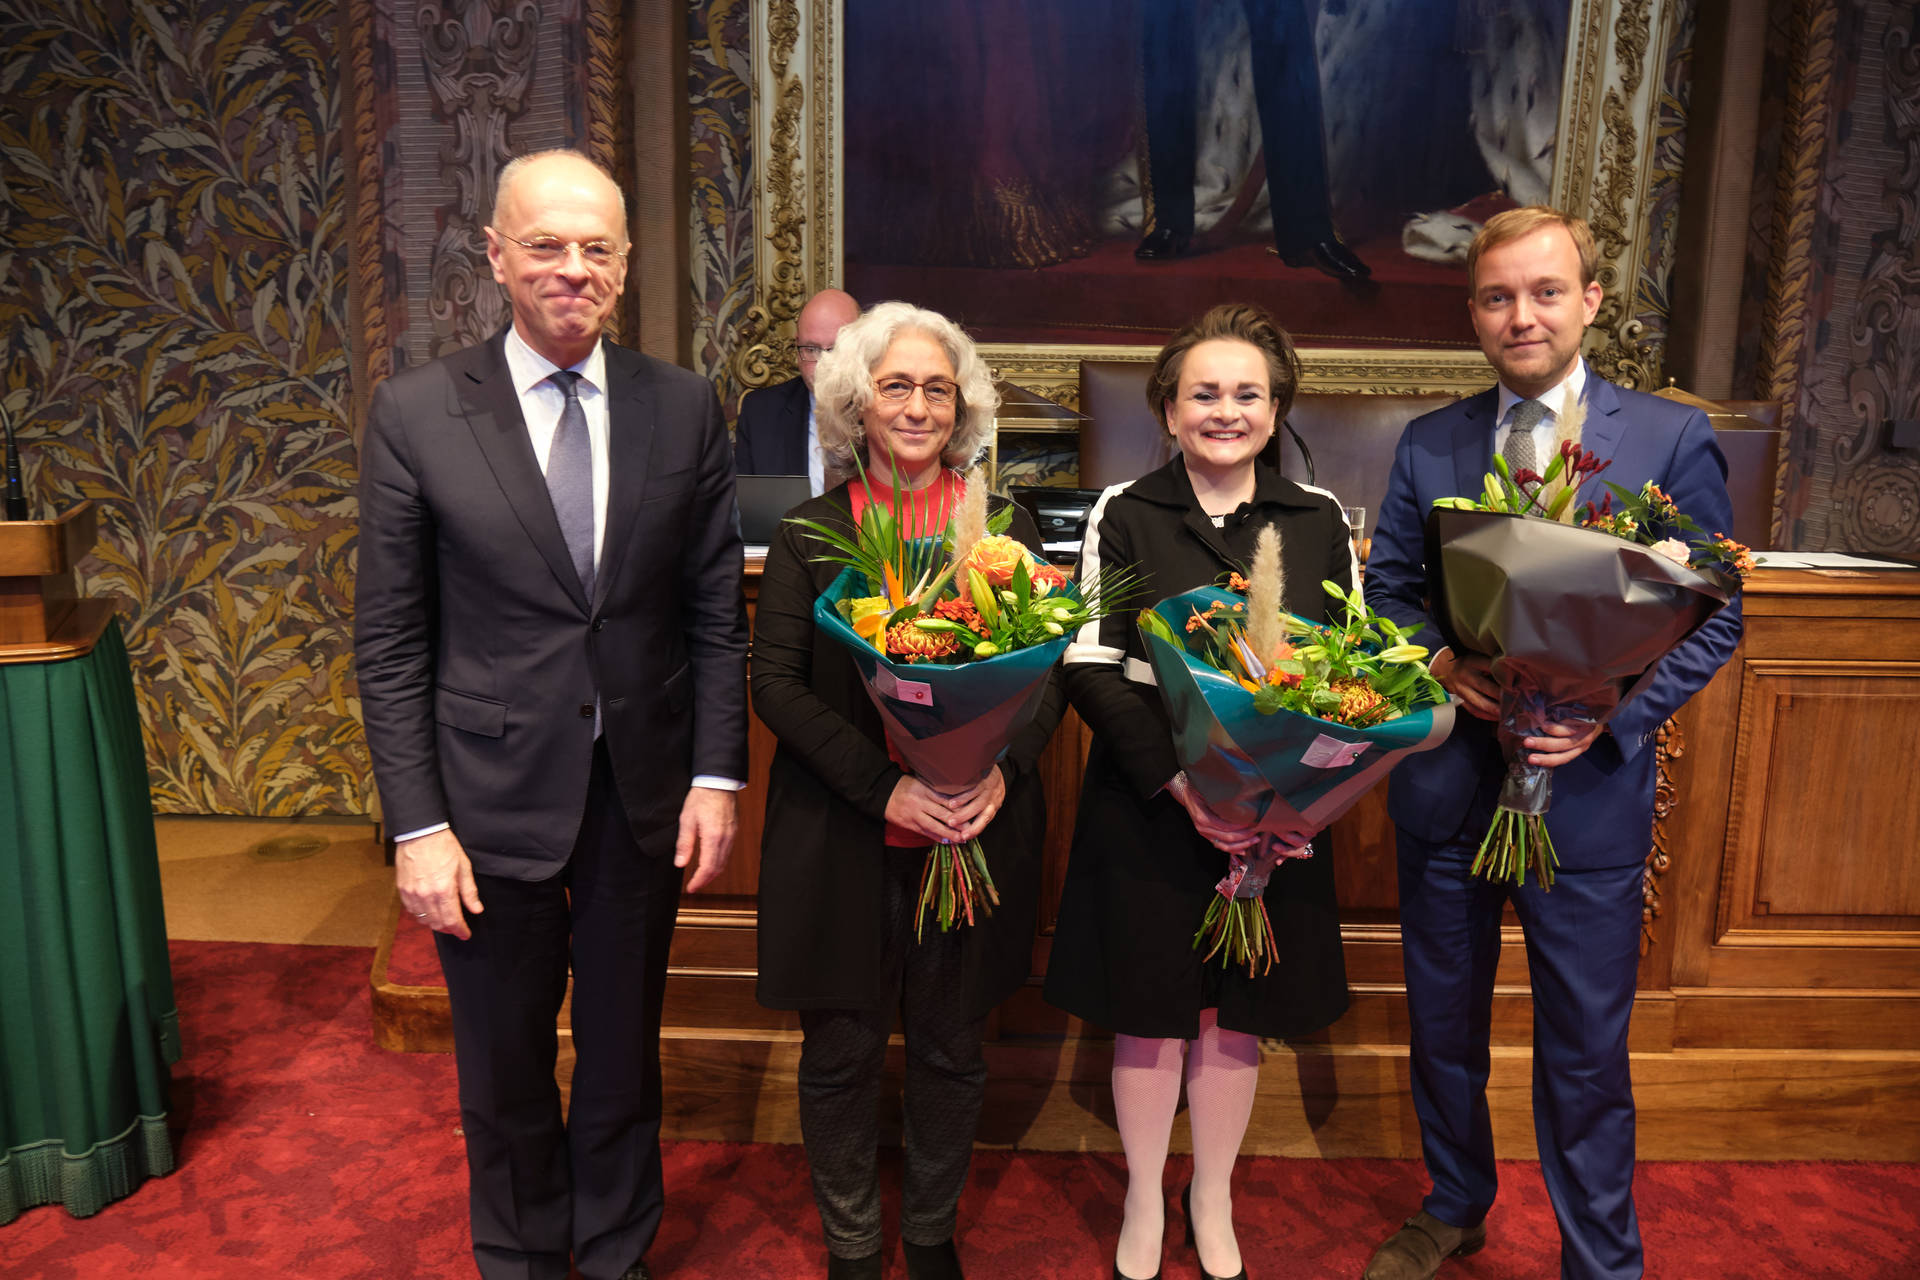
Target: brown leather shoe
(1417,1249)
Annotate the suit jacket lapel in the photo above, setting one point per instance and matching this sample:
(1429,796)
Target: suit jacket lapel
(630,427)
(793,434)
(1601,435)
(1473,443)
(487,400)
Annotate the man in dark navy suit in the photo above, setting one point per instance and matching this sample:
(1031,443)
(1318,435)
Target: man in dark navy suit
(1533,293)
(551,643)
(775,435)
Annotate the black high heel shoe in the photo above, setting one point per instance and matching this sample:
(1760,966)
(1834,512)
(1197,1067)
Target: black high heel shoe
(1186,1207)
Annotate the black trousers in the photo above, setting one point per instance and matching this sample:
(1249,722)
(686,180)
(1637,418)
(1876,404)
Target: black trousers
(1286,87)
(543,1188)
(841,1059)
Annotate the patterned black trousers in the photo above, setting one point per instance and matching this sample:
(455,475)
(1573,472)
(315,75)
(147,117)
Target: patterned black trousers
(841,1060)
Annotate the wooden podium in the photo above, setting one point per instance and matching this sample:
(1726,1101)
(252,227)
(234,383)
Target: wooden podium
(42,617)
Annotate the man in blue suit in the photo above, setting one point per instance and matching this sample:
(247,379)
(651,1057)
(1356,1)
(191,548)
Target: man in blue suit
(1533,295)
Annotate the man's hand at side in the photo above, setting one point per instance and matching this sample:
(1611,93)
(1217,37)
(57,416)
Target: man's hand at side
(435,880)
(707,821)
(1466,678)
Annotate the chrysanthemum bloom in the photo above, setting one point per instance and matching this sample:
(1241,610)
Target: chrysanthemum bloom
(905,640)
(962,612)
(1358,702)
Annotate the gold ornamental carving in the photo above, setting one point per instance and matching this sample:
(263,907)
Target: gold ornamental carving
(1668,745)
(763,354)
(369,271)
(1796,204)
(1614,208)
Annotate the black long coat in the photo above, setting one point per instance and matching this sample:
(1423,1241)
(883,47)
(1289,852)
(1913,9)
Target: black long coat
(820,859)
(1140,877)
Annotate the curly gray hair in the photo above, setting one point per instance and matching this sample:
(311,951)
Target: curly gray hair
(843,384)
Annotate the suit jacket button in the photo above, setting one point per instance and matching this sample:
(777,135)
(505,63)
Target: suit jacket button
(586,711)
(599,623)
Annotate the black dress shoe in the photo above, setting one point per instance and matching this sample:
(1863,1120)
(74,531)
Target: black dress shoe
(1163,242)
(638,1271)
(931,1261)
(1118,1274)
(1330,257)
(1186,1207)
(871,1267)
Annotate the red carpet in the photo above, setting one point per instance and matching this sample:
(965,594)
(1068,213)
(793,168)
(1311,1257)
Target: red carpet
(307,1153)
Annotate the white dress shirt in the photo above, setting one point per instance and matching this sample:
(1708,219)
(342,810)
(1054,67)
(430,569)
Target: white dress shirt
(1554,397)
(816,461)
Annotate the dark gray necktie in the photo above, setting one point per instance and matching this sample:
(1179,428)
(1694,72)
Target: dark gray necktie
(1520,453)
(570,478)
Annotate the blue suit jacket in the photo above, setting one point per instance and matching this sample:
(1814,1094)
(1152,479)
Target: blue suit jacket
(1602,812)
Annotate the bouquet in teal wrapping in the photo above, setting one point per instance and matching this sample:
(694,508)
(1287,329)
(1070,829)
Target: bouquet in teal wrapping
(953,635)
(1281,724)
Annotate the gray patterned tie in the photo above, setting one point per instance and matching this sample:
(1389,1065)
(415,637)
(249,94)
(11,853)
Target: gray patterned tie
(570,478)
(1520,453)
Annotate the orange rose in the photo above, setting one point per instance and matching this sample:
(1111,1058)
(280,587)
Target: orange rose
(996,556)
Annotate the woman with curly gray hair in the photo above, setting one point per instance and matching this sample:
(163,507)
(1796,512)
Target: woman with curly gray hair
(847,828)
(851,399)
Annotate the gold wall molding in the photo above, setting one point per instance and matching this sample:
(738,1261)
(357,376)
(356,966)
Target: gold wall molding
(372,335)
(605,98)
(796,131)
(1603,167)
(1795,207)
(1053,369)
(1669,745)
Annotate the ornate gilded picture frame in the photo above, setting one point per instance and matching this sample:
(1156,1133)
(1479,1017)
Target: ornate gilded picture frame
(1603,158)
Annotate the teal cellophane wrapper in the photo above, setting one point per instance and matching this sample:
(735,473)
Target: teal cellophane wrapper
(947,722)
(1277,772)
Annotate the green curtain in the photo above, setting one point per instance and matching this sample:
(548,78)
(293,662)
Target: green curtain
(87,1019)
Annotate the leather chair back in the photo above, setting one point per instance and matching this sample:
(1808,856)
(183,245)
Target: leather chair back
(1352,438)
(1123,441)
(1753,465)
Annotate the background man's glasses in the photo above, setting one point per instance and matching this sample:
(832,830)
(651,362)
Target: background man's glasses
(547,250)
(812,350)
(938,391)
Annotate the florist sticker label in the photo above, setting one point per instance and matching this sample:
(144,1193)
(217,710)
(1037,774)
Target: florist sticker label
(916,691)
(1331,753)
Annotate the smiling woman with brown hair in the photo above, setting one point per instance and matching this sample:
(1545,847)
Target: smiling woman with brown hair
(1147,851)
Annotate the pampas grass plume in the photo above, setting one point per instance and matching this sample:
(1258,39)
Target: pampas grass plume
(970,521)
(1266,588)
(1568,426)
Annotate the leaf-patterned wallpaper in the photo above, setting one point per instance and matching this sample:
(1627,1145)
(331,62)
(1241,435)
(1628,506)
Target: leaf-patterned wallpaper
(719,90)
(171,203)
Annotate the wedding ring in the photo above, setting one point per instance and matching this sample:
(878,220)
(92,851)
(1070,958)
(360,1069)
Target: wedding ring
(419,915)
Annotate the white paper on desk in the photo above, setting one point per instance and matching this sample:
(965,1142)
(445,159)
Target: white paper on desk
(1822,560)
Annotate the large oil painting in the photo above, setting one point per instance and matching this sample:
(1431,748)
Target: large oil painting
(1093,170)
(1071,174)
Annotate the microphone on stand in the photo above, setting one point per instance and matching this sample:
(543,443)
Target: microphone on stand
(16,499)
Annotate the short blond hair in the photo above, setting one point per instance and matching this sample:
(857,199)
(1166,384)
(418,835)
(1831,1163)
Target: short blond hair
(843,384)
(1515,224)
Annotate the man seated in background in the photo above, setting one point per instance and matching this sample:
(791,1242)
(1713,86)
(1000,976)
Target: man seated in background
(775,435)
